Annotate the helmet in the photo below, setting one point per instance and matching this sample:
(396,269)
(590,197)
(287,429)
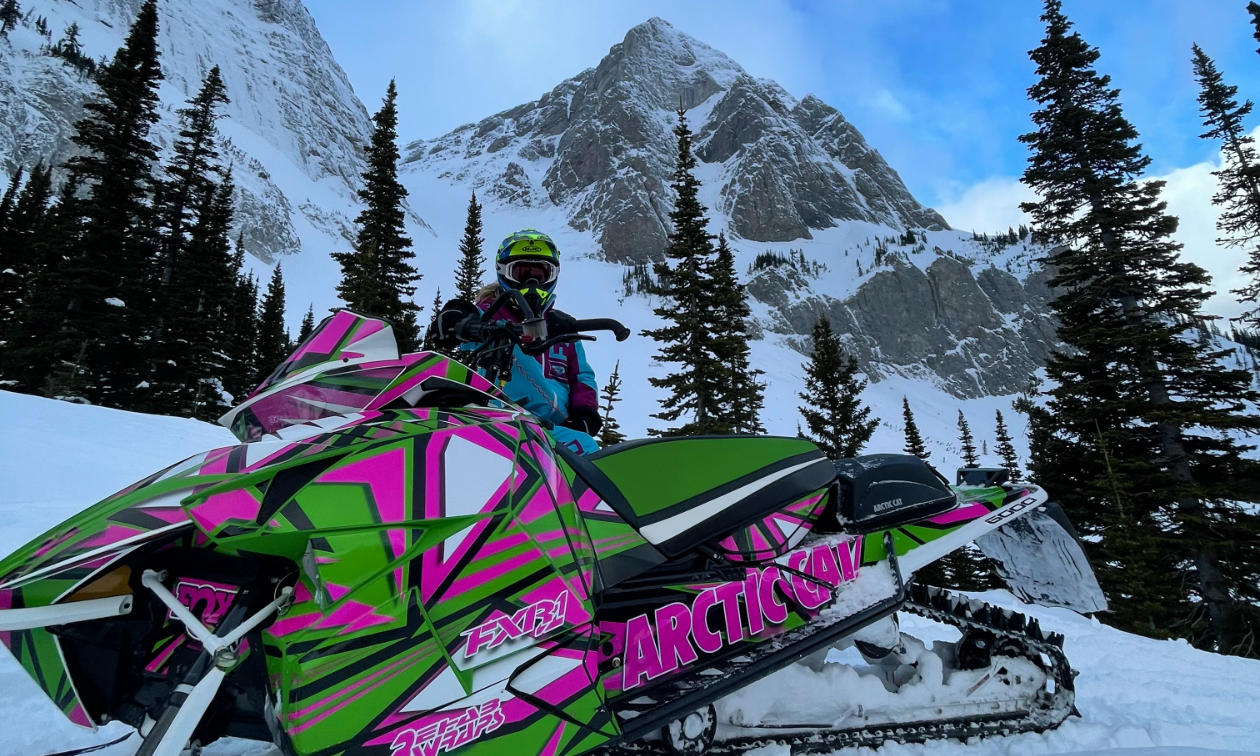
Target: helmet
(529,262)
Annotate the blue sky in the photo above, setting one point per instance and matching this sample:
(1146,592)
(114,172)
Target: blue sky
(938,86)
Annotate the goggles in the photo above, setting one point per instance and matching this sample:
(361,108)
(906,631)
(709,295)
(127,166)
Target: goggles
(536,272)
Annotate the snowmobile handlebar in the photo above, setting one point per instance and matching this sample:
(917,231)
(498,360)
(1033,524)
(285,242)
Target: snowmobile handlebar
(602,324)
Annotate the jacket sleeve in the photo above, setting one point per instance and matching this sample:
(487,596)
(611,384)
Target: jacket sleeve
(583,391)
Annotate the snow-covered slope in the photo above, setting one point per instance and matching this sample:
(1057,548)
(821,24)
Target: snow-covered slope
(295,127)
(1137,697)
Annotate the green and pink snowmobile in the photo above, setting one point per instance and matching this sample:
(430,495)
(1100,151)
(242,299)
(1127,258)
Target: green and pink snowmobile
(396,560)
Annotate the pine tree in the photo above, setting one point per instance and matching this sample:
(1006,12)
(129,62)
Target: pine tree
(685,293)
(739,395)
(969,456)
(611,433)
(1254,9)
(1006,450)
(429,345)
(469,271)
(241,326)
(10,197)
(378,278)
(1238,192)
(193,377)
(273,339)
(25,228)
(914,441)
(1132,438)
(308,325)
(194,170)
(838,422)
(108,276)
(36,352)
(10,14)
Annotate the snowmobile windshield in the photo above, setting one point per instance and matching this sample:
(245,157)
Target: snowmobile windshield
(331,394)
(339,369)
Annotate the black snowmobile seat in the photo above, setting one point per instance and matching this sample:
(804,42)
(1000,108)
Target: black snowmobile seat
(883,491)
(681,493)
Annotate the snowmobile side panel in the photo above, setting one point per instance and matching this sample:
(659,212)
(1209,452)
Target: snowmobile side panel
(418,630)
(1041,559)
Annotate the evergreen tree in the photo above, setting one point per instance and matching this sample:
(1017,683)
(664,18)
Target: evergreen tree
(10,14)
(107,277)
(739,396)
(1133,436)
(378,278)
(193,376)
(1254,9)
(273,339)
(685,294)
(428,344)
(838,422)
(1238,192)
(308,325)
(10,197)
(194,170)
(25,228)
(36,353)
(969,456)
(1006,450)
(241,327)
(611,433)
(914,441)
(469,271)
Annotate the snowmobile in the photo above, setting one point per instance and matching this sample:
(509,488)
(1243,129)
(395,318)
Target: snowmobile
(398,560)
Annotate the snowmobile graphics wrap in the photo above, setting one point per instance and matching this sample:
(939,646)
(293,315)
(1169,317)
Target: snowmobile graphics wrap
(398,561)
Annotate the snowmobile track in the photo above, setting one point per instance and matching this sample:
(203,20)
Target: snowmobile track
(1044,649)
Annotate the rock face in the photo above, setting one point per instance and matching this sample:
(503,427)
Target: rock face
(294,130)
(975,335)
(601,146)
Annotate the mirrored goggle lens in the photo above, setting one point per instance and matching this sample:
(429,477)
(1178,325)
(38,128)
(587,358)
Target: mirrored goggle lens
(527,271)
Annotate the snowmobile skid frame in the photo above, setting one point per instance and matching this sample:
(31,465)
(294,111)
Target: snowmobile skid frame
(1006,630)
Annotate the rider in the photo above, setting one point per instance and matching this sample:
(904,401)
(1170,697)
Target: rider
(558,386)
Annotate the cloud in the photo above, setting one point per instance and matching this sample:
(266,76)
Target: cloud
(989,206)
(1188,192)
(887,103)
(993,205)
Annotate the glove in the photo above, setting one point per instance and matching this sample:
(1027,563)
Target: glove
(456,323)
(586,420)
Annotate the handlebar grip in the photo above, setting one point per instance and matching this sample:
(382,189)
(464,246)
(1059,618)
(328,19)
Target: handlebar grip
(603,324)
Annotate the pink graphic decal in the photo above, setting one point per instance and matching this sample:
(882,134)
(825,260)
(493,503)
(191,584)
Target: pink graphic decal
(681,632)
(969,511)
(450,732)
(535,620)
(212,513)
(207,600)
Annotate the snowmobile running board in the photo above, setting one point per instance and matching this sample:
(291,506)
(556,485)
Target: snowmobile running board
(1012,629)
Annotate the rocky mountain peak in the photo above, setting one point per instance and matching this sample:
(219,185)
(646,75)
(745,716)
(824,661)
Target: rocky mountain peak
(601,147)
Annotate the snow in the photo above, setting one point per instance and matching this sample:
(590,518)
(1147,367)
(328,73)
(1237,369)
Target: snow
(1137,697)
(115,302)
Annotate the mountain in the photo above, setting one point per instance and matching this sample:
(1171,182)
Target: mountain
(820,222)
(293,132)
(601,145)
(781,175)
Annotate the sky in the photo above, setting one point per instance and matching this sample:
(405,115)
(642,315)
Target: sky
(937,86)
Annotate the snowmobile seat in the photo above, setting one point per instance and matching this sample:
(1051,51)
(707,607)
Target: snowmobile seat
(883,491)
(681,493)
